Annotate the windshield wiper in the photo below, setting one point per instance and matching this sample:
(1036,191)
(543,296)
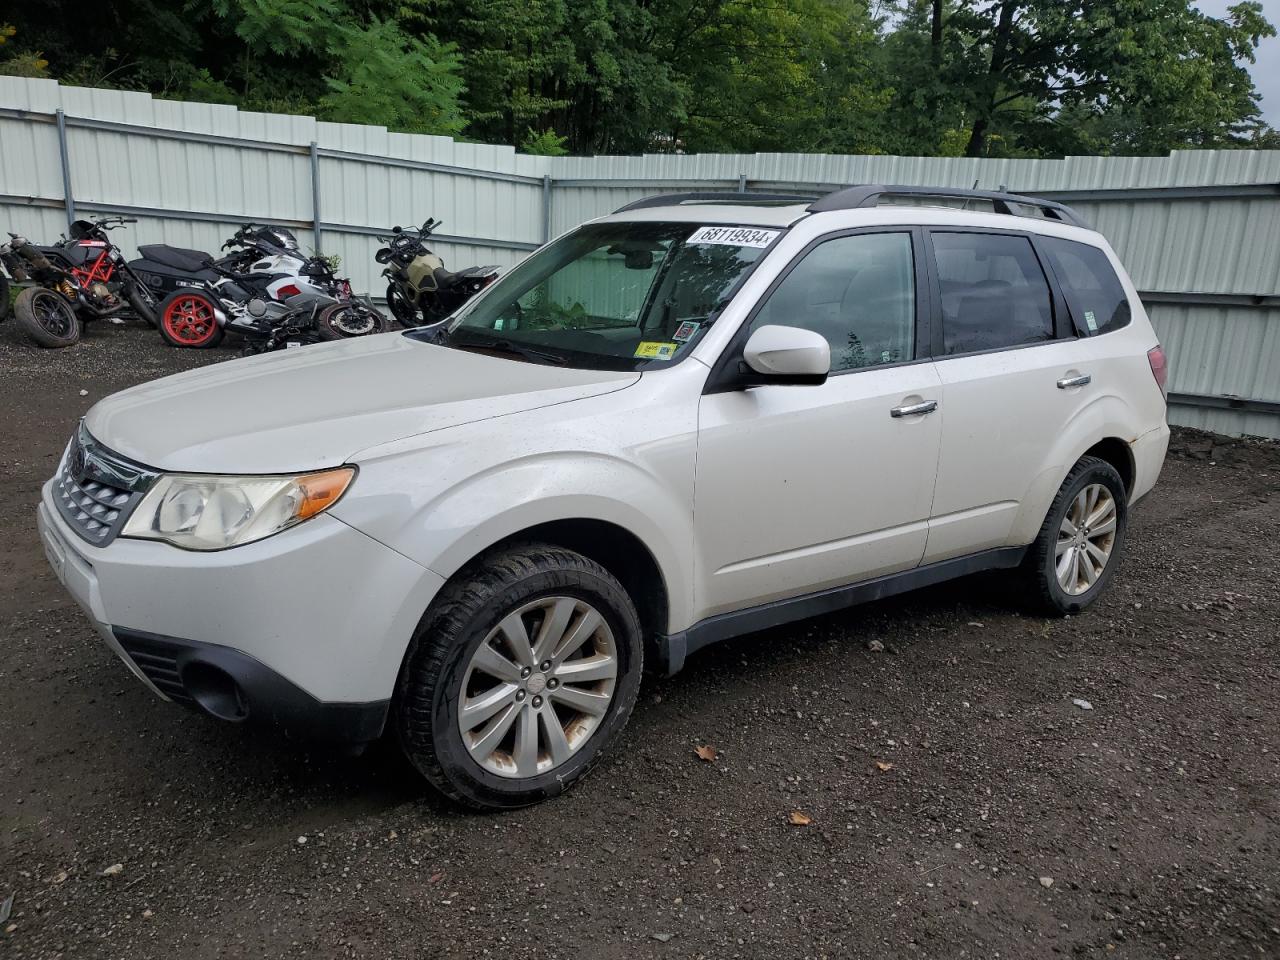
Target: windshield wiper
(500,345)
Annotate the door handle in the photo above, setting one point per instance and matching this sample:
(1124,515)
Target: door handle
(914,409)
(1080,381)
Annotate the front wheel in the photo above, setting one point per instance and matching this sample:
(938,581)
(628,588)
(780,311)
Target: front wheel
(1078,548)
(406,313)
(343,320)
(47,316)
(523,671)
(188,318)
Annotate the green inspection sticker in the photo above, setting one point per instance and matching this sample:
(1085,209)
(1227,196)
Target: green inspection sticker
(1091,320)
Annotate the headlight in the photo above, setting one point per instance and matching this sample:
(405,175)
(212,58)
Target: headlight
(202,512)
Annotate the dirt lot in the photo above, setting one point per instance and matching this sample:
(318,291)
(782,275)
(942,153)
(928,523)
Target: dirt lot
(949,778)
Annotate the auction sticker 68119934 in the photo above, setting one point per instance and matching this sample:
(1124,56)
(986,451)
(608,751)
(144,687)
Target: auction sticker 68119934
(733,236)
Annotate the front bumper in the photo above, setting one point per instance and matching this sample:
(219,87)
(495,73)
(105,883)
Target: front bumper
(306,629)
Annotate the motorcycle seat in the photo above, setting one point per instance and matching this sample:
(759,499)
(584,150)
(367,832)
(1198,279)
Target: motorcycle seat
(179,258)
(445,279)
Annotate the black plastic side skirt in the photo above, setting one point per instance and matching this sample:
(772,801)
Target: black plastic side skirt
(674,648)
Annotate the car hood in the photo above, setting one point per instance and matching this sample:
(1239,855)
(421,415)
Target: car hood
(315,407)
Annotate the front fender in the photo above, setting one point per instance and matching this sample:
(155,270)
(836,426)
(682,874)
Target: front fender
(445,528)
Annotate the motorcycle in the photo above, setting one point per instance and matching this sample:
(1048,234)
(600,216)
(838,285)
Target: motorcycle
(201,311)
(83,277)
(304,319)
(420,291)
(203,298)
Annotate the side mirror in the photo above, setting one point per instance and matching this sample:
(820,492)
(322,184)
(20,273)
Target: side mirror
(786,355)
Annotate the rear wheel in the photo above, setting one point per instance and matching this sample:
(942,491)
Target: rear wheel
(1078,548)
(47,317)
(525,668)
(188,318)
(343,320)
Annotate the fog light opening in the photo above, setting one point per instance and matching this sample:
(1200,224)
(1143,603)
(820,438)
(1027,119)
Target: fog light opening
(215,692)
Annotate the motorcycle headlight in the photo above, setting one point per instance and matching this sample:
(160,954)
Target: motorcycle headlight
(204,512)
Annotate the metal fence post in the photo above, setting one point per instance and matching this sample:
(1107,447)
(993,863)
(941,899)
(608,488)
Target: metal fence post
(68,199)
(742,183)
(546,207)
(315,194)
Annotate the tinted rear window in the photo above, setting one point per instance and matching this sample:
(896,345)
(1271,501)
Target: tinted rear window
(994,292)
(1094,294)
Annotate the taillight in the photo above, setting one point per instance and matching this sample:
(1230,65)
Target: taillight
(1159,367)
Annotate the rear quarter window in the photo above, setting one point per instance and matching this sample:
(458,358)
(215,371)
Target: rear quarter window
(1094,293)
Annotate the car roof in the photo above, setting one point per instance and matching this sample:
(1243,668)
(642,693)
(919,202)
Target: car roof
(930,205)
(755,214)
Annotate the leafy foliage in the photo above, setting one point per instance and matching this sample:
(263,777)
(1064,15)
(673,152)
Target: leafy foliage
(1018,78)
(384,76)
(548,143)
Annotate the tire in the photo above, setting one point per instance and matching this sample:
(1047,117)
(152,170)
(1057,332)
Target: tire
(1084,493)
(144,305)
(405,313)
(538,585)
(4,298)
(345,320)
(188,318)
(47,317)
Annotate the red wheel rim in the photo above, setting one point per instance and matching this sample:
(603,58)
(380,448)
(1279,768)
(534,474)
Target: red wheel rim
(190,321)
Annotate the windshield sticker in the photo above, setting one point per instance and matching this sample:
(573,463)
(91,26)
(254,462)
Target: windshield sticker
(654,350)
(686,331)
(1091,320)
(734,236)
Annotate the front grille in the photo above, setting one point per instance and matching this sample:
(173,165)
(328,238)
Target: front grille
(94,510)
(158,662)
(96,490)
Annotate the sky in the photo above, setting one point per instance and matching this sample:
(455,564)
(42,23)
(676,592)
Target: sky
(1266,68)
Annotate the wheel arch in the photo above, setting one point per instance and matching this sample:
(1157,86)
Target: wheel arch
(1100,430)
(1116,452)
(619,550)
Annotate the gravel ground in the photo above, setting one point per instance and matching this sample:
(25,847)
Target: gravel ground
(961,804)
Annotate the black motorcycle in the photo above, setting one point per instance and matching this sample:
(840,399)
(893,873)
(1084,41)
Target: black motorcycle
(420,291)
(83,277)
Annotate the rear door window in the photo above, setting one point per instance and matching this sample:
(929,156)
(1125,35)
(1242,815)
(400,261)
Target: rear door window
(994,292)
(1094,294)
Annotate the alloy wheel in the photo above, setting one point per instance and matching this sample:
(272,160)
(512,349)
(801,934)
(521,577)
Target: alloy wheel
(1086,538)
(190,320)
(53,313)
(538,687)
(353,322)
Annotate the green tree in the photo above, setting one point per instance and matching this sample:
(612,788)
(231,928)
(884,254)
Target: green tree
(1160,70)
(383,76)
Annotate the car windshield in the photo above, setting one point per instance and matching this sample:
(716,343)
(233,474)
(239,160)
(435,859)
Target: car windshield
(612,296)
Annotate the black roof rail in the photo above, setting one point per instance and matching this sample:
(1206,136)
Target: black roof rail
(868,195)
(723,196)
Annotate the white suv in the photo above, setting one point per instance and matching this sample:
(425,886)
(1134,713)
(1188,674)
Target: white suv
(697,417)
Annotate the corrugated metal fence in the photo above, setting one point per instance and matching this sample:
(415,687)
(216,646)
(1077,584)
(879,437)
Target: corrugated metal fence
(1199,230)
